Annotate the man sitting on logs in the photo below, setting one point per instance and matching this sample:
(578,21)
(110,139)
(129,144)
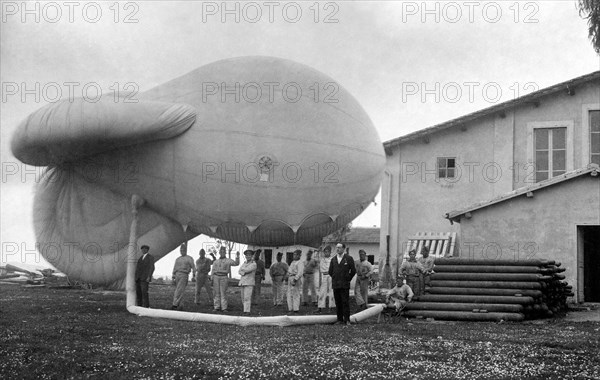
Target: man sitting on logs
(399,296)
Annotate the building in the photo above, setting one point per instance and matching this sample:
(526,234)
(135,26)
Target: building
(479,164)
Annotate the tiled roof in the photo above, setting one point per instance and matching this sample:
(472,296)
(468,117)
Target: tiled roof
(592,169)
(532,98)
(357,235)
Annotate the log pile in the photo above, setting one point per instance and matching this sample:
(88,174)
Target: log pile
(492,290)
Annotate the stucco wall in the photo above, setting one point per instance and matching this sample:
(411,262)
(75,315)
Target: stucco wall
(420,199)
(543,226)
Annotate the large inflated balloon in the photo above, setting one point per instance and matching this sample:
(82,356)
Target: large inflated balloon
(256,150)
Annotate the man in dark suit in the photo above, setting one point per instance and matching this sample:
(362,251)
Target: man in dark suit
(341,270)
(143,275)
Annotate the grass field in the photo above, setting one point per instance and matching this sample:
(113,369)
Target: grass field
(68,333)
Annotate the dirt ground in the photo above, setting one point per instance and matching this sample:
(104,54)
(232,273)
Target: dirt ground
(584,313)
(52,333)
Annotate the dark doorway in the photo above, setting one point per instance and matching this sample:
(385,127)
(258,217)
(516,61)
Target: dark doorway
(591,262)
(268,258)
(289,257)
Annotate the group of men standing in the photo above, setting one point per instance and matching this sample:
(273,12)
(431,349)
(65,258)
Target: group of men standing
(335,272)
(417,272)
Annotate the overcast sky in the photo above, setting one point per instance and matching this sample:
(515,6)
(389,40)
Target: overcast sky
(467,55)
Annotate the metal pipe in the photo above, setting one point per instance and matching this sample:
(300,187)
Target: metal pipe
(418,305)
(475,299)
(465,316)
(466,261)
(490,277)
(484,291)
(488,269)
(487,284)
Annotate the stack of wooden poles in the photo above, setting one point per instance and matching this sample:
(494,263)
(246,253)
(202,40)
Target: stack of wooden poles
(492,290)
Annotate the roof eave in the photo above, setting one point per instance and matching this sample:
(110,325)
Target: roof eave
(455,216)
(499,109)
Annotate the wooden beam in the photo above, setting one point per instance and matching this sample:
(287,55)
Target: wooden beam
(570,90)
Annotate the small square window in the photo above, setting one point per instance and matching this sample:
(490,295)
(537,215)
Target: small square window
(446,167)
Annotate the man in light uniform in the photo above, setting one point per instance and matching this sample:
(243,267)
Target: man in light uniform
(325,289)
(295,282)
(181,272)
(278,272)
(399,296)
(412,271)
(427,262)
(364,269)
(221,268)
(247,279)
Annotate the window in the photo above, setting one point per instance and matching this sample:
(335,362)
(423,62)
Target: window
(550,149)
(550,152)
(594,118)
(446,167)
(289,257)
(371,259)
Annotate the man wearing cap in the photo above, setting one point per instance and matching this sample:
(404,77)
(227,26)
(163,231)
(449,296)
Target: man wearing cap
(325,289)
(308,282)
(247,279)
(295,282)
(181,272)
(427,262)
(364,269)
(203,265)
(341,270)
(400,295)
(143,275)
(412,271)
(259,276)
(220,273)
(278,272)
